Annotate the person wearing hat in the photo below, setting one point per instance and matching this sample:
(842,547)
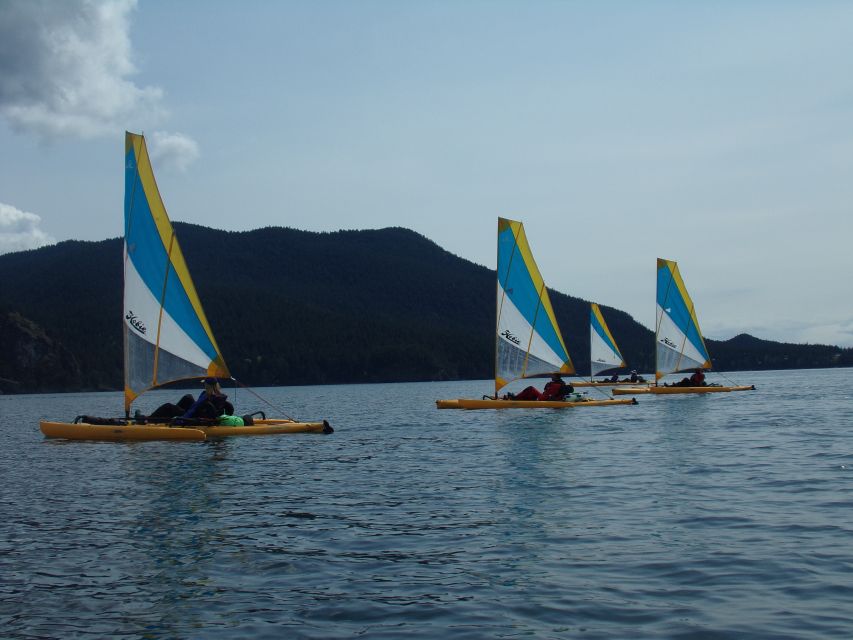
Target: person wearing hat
(634,377)
(211,403)
(695,380)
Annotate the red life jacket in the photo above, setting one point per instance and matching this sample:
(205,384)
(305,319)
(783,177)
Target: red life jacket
(554,391)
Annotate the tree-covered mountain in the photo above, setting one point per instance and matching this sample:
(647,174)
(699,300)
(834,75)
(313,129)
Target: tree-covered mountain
(297,307)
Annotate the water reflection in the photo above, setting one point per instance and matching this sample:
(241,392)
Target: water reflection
(172,535)
(652,521)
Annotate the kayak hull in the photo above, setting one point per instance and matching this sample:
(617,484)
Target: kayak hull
(680,390)
(134,432)
(466,403)
(268,427)
(131,432)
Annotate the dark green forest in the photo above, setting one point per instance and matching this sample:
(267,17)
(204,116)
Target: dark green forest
(295,307)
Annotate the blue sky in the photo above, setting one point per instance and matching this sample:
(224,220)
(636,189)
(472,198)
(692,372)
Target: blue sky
(718,134)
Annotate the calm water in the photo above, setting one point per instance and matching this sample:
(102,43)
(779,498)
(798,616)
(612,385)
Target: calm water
(725,516)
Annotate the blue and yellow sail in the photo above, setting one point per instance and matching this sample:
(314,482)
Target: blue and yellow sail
(166,334)
(680,345)
(528,342)
(603,352)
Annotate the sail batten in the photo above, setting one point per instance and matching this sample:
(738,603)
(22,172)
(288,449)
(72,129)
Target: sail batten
(528,340)
(679,342)
(167,335)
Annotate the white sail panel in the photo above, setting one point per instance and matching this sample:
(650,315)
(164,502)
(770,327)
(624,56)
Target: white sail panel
(602,357)
(143,311)
(603,352)
(674,351)
(521,351)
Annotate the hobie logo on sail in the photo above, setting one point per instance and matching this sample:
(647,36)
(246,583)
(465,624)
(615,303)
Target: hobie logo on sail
(506,334)
(135,322)
(669,343)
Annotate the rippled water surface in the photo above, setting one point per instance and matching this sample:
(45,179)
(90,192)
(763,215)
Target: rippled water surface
(722,516)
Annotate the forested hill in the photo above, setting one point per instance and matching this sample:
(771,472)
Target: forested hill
(296,307)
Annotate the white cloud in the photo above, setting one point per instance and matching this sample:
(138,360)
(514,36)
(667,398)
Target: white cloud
(172,149)
(832,333)
(19,230)
(64,68)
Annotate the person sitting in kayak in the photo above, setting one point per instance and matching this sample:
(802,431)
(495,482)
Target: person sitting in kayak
(556,389)
(211,403)
(528,393)
(698,378)
(634,377)
(613,378)
(695,380)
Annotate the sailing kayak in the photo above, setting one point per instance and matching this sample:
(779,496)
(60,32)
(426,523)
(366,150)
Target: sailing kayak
(131,432)
(466,403)
(674,390)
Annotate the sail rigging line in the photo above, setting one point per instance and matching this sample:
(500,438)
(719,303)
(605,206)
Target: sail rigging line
(723,375)
(261,398)
(602,392)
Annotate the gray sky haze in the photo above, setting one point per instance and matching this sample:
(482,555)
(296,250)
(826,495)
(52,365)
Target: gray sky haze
(717,134)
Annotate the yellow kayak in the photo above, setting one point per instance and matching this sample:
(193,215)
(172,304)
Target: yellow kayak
(465,403)
(673,390)
(85,431)
(135,432)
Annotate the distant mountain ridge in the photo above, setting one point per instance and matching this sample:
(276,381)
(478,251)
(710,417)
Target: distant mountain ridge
(299,307)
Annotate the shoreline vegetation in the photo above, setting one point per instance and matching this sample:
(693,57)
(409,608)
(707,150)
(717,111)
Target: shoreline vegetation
(305,308)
